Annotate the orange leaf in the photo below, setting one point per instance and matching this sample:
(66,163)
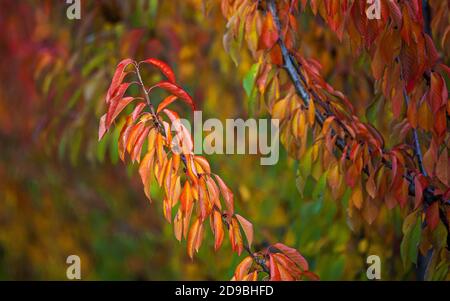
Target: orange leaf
(136,151)
(218,229)
(247,227)
(178,225)
(243,268)
(145,170)
(311,112)
(186,197)
(238,245)
(204,164)
(167,101)
(193,237)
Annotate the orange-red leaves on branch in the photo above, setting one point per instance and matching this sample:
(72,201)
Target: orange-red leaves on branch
(165,69)
(199,194)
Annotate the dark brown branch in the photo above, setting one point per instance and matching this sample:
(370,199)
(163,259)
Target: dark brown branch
(428,194)
(257,260)
(426,10)
(416,141)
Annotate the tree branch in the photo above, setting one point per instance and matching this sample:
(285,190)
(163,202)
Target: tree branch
(426,11)
(295,75)
(161,128)
(416,141)
(257,260)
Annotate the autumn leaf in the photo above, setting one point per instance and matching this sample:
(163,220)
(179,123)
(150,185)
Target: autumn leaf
(247,227)
(165,69)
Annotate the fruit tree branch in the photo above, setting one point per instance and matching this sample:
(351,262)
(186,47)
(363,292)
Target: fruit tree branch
(289,65)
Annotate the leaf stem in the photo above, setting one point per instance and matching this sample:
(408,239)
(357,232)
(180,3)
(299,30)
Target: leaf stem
(257,260)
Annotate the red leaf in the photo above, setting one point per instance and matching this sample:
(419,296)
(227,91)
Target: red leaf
(118,77)
(227,194)
(165,69)
(274,272)
(294,255)
(438,92)
(177,91)
(114,104)
(269,33)
(432,216)
(118,107)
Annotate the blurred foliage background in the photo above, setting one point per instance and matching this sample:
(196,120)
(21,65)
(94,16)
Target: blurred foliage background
(62,192)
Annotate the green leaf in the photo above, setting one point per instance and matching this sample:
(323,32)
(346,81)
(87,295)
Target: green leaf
(249,79)
(373,110)
(411,239)
(306,163)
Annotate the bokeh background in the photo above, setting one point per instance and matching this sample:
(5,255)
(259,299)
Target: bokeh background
(62,192)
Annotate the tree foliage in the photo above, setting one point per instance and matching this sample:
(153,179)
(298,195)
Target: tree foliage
(364,111)
(408,73)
